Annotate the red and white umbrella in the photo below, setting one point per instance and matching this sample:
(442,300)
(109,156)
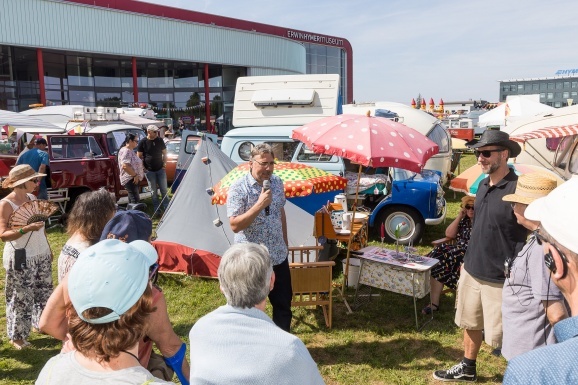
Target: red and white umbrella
(368,141)
(548,132)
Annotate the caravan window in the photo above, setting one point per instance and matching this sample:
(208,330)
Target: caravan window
(440,137)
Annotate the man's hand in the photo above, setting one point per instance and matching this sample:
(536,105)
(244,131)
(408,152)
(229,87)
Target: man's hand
(265,198)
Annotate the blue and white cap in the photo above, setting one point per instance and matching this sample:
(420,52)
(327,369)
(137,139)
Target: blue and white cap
(110,274)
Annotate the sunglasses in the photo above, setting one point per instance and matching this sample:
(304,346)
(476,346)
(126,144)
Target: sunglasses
(265,164)
(487,153)
(468,207)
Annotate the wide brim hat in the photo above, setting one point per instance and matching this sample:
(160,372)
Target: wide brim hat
(496,138)
(531,187)
(558,213)
(19,175)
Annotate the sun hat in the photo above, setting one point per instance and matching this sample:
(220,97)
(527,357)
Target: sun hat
(20,174)
(558,213)
(128,226)
(152,127)
(496,138)
(531,187)
(110,274)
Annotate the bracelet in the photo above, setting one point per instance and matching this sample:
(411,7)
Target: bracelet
(21,231)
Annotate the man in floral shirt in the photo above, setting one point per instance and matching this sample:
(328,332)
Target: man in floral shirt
(256,214)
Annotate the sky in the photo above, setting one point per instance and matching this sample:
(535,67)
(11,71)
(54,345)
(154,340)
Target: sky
(450,49)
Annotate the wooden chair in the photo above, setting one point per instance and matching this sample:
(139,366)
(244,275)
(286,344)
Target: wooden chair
(312,280)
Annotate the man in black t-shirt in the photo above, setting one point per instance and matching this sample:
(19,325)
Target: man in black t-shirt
(153,152)
(496,236)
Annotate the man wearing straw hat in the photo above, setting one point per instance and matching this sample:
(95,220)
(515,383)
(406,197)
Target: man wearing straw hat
(558,217)
(531,303)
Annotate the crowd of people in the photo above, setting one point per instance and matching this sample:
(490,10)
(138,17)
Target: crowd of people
(514,265)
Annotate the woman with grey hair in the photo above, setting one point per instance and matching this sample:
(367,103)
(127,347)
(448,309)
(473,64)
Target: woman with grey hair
(240,336)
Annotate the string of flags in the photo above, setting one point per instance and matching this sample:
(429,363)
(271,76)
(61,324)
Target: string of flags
(177,109)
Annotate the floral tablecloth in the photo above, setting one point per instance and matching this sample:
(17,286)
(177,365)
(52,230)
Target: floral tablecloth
(381,269)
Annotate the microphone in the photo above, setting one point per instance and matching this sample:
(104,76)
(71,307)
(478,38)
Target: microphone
(267,187)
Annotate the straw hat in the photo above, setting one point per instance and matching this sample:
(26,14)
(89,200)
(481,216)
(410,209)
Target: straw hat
(467,199)
(20,174)
(531,187)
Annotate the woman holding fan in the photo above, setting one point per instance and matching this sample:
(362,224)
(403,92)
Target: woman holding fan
(27,258)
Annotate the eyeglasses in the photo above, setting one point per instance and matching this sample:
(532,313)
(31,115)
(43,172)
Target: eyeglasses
(265,164)
(468,207)
(487,153)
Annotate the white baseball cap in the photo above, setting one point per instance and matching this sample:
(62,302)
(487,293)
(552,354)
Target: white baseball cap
(110,274)
(558,213)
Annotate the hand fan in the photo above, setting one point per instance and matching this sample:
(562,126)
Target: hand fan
(32,211)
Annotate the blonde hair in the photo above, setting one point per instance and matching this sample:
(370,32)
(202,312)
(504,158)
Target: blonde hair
(467,200)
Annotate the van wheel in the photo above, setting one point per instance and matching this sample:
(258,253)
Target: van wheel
(396,215)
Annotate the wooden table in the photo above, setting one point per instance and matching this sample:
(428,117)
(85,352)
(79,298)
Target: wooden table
(381,269)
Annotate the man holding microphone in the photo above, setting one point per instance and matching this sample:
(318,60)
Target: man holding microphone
(256,214)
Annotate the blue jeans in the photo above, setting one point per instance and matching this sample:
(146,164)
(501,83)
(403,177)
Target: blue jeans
(158,180)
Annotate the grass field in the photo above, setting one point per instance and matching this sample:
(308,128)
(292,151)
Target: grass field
(377,344)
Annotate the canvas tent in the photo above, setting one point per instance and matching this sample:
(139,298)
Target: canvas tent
(516,107)
(188,240)
(22,122)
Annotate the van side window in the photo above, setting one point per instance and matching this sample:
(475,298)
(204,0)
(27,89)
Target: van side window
(283,151)
(74,147)
(307,155)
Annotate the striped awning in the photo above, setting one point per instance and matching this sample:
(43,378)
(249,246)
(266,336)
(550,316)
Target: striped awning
(548,132)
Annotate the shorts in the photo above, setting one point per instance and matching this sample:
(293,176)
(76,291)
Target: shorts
(479,307)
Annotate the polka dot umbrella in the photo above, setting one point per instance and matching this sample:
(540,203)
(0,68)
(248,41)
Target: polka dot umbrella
(367,141)
(298,179)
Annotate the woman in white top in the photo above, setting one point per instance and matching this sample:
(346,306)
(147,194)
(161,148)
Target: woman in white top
(28,277)
(131,168)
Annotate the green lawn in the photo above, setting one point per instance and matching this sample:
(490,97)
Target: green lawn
(377,344)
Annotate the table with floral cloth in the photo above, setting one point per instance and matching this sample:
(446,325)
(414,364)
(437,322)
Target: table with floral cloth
(403,274)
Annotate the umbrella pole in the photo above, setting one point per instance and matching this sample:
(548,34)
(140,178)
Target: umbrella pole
(346,273)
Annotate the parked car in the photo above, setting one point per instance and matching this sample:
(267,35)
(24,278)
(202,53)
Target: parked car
(86,161)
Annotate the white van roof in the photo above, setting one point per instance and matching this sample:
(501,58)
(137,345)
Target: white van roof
(419,120)
(285,99)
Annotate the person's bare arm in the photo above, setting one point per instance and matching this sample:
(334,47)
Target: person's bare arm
(53,320)
(42,170)
(452,229)
(160,331)
(555,310)
(242,221)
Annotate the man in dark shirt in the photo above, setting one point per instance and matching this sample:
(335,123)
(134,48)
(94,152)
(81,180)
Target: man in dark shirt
(153,152)
(496,236)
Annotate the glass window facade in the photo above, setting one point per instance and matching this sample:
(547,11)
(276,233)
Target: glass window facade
(553,92)
(327,60)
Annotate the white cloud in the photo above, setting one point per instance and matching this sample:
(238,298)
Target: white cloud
(452,49)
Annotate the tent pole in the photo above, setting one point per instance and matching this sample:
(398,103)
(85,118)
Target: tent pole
(346,273)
